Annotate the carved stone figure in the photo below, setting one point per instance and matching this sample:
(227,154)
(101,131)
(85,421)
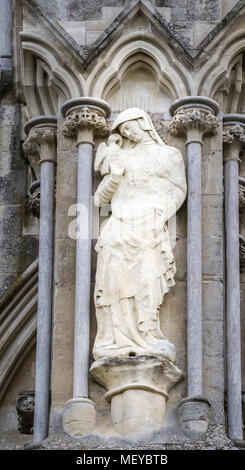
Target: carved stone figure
(25,404)
(144,180)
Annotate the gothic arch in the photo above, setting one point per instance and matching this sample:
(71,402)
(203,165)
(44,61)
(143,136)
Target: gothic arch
(47,81)
(216,70)
(152,53)
(18,324)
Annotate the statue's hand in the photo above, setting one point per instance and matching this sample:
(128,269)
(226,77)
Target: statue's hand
(116,166)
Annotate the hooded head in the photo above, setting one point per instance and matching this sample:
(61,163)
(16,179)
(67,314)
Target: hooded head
(137,114)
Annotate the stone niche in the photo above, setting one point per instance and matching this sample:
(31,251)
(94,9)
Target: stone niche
(140,87)
(172,312)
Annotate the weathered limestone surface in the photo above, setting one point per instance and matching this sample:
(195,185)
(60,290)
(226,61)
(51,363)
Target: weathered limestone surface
(173,321)
(64,275)
(137,49)
(134,384)
(16,251)
(192,20)
(24,380)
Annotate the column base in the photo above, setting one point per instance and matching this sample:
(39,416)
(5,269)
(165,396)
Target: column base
(193,414)
(79,417)
(137,388)
(33,446)
(239,443)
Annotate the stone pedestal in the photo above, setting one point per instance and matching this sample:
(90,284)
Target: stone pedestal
(137,388)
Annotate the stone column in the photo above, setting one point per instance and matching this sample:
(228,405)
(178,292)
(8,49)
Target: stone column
(233,136)
(194,117)
(41,148)
(5,42)
(85,117)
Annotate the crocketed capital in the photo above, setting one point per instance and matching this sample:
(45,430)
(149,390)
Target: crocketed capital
(37,136)
(194,116)
(41,134)
(235,132)
(203,120)
(85,113)
(85,117)
(233,135)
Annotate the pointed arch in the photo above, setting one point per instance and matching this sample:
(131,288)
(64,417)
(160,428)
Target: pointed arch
(214,73)
(18,324)
(47,81)
(153,54)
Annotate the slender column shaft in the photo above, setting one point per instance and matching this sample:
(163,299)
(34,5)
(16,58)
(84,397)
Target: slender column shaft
(194,270)
(40,147)
(233,340)
(233,136)
(5,33)
(85,117)
(83,271)
(45,275)
(194,116)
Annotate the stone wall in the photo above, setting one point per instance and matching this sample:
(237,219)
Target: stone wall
(170,77)
(86,20)
(173,310)
(24,380)
(16,251)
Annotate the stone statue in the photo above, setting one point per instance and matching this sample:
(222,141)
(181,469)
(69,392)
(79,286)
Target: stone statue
(144,180)
(25,404)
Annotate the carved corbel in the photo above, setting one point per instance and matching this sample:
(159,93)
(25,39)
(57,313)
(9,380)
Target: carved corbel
(25,404)
(38,147)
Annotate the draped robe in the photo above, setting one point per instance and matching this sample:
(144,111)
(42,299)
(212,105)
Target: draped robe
(135,265)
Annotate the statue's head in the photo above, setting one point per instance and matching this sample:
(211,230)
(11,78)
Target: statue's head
(132,130)
(25,402)
(133,123)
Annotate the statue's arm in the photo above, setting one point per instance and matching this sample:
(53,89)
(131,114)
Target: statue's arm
(174,172)
(106,189)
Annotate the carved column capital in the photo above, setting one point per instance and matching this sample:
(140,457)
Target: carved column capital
(39,135)
(199,119)
(194,116)
(233,135)
(41,138)
(40,143)
(39,147)
(85,118)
